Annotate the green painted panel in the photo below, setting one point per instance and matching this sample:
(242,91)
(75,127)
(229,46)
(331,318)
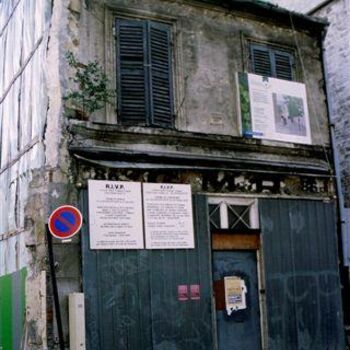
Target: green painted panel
(303,292)
(23,295)
(12,309)
(5,313)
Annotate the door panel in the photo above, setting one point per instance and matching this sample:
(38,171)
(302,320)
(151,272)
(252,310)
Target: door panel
(131,296)
(302,280)
(240,330)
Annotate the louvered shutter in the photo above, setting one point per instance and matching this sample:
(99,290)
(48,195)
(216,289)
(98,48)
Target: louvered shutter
(283,65)
(270,62)
(261,60)
(144,63)
(161,99)
(132,74)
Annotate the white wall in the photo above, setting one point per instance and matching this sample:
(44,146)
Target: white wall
(24,28)
(302,6)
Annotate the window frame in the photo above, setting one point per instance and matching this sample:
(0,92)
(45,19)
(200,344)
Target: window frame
(178,82)
(224,202)
(153,68)
(247,42)
(272,51)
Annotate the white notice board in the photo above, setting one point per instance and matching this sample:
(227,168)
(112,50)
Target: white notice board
(115,215)
(273,109)
(168,216)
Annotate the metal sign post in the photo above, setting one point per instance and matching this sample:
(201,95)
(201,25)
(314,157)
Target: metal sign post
(55,291)
(63,223)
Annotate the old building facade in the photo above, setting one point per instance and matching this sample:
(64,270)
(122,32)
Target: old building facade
(264,208)
(336,57)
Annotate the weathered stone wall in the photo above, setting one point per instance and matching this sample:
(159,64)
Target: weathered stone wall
(208,53)
(217,181)
(337,56)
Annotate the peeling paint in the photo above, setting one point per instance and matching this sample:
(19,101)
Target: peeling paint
(35,327)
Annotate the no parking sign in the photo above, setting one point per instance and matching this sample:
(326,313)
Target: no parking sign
(65,222)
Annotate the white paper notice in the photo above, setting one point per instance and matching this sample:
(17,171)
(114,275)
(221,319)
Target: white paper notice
(115,215)
(168,216)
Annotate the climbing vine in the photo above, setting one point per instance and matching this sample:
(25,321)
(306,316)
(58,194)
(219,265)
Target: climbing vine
(92,90)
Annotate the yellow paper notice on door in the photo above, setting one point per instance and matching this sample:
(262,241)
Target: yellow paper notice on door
(235,291)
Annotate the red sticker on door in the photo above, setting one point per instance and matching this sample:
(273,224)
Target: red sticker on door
(195,292)
(182,292)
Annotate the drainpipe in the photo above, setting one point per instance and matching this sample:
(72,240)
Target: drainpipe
(342,219)
(343,239)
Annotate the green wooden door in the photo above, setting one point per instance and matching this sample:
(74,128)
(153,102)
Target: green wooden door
(132,299)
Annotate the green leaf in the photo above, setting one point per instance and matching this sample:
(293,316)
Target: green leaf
(93,92)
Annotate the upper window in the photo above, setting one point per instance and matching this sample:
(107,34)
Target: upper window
(272,62)
(144,73)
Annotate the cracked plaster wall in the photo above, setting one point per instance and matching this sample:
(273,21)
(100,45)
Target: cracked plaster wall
(208,52)
(337,53)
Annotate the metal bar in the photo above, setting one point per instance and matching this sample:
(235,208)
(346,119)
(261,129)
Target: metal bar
(10,234)
(9,18)
(54,287)
(223,216)
(319,7)
(21,153)
(21,70)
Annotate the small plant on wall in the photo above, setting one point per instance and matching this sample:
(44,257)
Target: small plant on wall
(92,92)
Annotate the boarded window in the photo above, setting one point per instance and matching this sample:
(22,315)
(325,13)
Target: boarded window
(272,62)
(144,73)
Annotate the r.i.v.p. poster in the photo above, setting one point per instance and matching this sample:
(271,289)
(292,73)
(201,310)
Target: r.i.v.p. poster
(168,216)
(115,215)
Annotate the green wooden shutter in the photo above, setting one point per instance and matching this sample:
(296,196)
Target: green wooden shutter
(132,74)
(261,60)
(283,62)
(270,62)
(144,64)
(160,75)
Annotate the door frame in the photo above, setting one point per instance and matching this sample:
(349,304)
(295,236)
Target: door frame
(252,203)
